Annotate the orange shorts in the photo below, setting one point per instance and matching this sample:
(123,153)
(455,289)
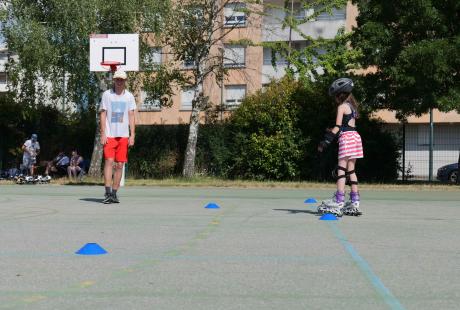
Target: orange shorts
(116,148)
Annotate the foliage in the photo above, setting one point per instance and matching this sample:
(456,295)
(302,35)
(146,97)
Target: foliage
(49,41)
(414,46)
(267,142)
(158,151)
(215,150)
(321,56)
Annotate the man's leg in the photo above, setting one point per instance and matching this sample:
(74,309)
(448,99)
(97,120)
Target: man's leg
(116,180)
(48,167)
(120,158)
(117,175)
(108,171)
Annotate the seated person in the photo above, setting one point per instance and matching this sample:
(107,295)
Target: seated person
(74,168)
(58,165)
(84,165)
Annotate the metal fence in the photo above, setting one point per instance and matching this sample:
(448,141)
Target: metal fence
(415,150)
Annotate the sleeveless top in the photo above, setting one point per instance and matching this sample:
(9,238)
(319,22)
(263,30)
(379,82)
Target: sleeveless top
(347,118)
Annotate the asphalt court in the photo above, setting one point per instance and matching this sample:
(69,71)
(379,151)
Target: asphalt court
(263,249)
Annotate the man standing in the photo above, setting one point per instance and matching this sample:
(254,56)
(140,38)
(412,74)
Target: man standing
(117,132)
(31,150)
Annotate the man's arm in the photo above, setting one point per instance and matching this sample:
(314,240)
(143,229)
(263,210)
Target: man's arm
(132,127)
(103,119)
(25,147)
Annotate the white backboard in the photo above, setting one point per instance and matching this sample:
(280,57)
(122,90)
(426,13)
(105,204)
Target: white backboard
(123,48)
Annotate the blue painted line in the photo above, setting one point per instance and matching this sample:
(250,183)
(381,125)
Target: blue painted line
(384,292)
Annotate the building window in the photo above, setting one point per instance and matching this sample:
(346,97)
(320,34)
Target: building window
(300,12)
(423,135)
(153,57)
(234,15)
(195,16)
(268,57)
(189,63)
(187,98)
(336,14)
(234,95)
(3,78)
(149,104)
(234,56)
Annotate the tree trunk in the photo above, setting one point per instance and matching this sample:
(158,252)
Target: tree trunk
(190,152)
(96,158)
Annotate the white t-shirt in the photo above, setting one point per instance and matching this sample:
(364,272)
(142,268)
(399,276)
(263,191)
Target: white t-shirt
(117,107)
(32,148)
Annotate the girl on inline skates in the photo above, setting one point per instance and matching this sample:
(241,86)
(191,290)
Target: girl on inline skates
(350,149)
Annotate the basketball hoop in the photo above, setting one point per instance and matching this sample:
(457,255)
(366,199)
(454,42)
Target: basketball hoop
(110,65)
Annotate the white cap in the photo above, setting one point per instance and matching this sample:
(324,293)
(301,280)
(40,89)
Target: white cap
(120,75)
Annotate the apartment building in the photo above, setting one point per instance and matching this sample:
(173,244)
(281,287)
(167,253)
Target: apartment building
(250,67)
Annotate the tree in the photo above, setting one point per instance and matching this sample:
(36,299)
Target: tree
(321,57)
(51,41)
(193,33)
(414,47)
(267,141)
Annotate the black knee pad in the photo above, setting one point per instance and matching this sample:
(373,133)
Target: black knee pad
(349,182)
(335,173)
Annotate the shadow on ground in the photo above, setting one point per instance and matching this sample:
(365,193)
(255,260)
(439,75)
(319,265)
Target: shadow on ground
(299,211)
(98,200)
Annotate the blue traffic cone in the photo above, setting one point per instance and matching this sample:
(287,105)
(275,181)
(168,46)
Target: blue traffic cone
(212,205)
(91,249)
(328,217)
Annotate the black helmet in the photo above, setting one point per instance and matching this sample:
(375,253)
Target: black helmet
(342,85)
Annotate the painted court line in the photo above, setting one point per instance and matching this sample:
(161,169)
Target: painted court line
(383,291)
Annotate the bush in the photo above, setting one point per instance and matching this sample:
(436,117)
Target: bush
(158,152)
(214,150)
(267,143)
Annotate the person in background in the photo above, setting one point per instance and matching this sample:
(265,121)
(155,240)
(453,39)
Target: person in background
(58,165)
(74,167)
(31,150)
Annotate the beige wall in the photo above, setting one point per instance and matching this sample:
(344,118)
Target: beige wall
(352,14)
(438,117)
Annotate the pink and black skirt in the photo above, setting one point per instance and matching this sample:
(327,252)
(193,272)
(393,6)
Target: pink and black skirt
(350,145)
